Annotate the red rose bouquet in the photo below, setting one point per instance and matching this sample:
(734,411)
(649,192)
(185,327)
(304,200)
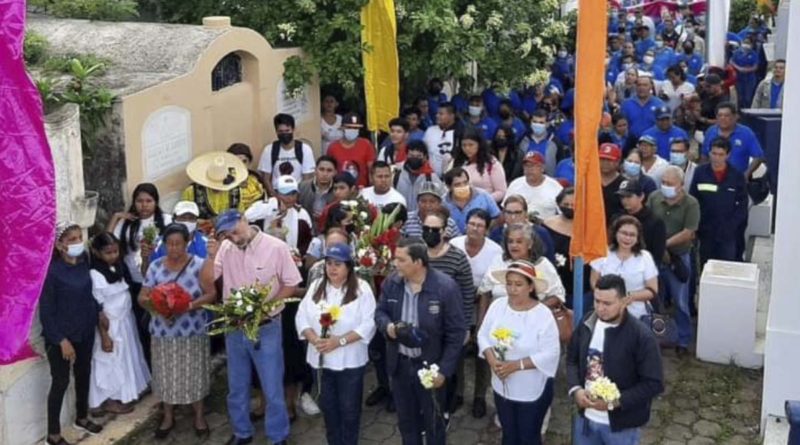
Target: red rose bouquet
(169,300)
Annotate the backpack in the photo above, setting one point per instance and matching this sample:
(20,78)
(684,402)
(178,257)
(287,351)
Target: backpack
(298,152)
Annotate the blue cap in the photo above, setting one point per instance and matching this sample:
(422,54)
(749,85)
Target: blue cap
(339,252)
(663,113)
(648,140)
(227,220)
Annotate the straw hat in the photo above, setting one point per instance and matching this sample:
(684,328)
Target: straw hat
(217,170)
(526,269)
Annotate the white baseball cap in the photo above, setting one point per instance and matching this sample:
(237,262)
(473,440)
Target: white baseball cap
(287,184)
(184,207)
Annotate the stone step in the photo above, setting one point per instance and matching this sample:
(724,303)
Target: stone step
(776,431)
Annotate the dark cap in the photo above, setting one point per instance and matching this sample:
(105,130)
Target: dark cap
(713,79)
(630,187)
(227,220)
(353,120)
(339,252)
(663,113)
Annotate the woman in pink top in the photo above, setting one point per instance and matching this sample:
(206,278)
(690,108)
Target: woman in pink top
(485,171)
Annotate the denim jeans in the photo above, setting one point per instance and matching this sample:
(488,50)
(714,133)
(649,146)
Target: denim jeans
(679,295)
(522,421)
(341,404)
(268,360)
(415,409)
(588,432)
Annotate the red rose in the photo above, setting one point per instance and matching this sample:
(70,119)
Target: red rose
(170,299)
(367,261)
(326,320)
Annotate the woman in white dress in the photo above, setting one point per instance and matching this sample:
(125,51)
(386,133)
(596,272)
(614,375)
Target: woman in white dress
(331,122)
(119,371)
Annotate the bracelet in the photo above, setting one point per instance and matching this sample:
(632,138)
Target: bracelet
(521,365)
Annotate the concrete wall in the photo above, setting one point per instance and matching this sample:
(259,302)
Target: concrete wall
(194,119)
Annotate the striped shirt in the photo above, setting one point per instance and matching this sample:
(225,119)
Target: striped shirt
(455,264)
(413,227)
(410,315)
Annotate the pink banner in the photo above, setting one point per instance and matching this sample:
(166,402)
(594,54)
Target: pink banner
(27,188)
(654,8)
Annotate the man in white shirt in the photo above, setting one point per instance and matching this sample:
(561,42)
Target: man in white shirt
(539,190)
(653,165)
(286,156)
(679,156)
(440,138)
(382,193)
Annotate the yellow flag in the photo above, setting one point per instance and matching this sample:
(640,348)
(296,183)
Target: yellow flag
(381,67)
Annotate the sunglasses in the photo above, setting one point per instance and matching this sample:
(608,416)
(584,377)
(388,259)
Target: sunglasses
(432,229)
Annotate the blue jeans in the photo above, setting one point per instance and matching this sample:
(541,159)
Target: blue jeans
(522,421)
(268,361)
(588,432)
(679,295)
(341,404)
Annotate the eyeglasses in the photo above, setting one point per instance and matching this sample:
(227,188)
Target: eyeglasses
(432,229)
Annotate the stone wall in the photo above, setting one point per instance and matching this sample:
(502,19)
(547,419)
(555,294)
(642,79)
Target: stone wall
(105,167)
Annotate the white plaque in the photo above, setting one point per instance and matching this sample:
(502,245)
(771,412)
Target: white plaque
(166,142)
(298,106)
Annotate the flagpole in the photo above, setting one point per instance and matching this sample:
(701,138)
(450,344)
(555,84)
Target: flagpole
(577,291)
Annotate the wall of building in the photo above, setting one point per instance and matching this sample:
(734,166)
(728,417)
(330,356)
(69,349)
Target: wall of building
(167,125)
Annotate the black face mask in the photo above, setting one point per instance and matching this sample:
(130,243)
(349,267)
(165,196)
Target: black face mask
(432,238)
(434,91)
(414,163)
(688,50)
(567,212)
(505,114)
(501,143)
(285,138)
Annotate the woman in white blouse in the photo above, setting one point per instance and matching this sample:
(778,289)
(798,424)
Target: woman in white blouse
(522,375)
(344,351)
(331,122)
(628,259)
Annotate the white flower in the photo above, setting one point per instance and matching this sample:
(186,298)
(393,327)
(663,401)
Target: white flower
(466,21)
(287,31)
(525,48)
(471,9)
(239,303)
(249,308)
(363,215)
(495,20)
(427,374)
(561,260)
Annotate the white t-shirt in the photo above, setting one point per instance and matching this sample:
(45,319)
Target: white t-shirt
(657,170)
(330,133)
(379,201)
(357,316)
(536,337)
(594,367)
(540,199)
(480,263)
(675,94)
(133,259)
(287,155)
(635,270)
(440,148)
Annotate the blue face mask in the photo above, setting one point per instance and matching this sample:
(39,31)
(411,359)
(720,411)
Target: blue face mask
(538,128)
(678,159)
(631,168)
(669,192)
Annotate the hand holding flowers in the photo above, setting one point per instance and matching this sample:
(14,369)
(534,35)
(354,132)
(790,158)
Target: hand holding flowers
(605,391)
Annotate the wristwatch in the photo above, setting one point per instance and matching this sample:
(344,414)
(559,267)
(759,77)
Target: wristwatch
(610,406)
(342,341)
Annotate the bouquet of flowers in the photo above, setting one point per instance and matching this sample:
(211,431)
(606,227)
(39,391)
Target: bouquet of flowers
(149,234)
(246,309)
(427,374)
(168,300)
(376,244)
(504,339)
(361,213)
(328,316)
(602,388)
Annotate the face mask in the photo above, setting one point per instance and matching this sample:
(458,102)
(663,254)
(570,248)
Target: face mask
(285,138)
(501,143)
(414,163)
(659,43)
(475,111)
(677,158)
(432,239)
(562,54)
(627,66)
(505,114)
(567,212)
(189,225)
(435,91)
(648,60)
(538,128)
(75,250)
(747,47)
(631,168)
(351,134)
(461,192)
(669,192)
(688,50)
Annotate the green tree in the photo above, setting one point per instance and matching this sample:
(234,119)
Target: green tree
(113,10)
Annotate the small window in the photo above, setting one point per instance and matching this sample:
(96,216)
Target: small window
(227,72)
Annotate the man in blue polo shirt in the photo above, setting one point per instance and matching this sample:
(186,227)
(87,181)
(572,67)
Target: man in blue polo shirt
(641,110)
(539,140)
(462,198)
(664,132)
(744,144)
(479,120)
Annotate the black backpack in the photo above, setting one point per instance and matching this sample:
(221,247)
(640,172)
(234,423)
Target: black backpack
(298,152)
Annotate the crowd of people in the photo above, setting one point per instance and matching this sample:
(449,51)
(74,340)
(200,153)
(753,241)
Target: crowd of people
(482,189)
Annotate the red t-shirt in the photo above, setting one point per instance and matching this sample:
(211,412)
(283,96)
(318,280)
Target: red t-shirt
(354,160)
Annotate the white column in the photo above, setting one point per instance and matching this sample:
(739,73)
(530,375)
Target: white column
(717,31)
(782,354)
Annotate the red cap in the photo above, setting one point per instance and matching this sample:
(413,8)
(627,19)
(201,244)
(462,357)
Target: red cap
(610,151)
(534,157)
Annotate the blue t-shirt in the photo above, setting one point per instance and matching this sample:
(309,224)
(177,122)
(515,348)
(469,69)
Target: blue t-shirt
(642,46)
(196,247)
(641,116)
(775,94)
(665,138)
(519,130)
(565,169)
(540,146)
(745,59)
(744,145)
(488,127)
(416,135)
(693,61)
(480,200)
(564,131)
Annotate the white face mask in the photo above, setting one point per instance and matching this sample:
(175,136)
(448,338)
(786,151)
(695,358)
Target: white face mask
(562,54)
(475,111)
(648,60)
(191,226)
(75,250)
(669,192)
(351,134)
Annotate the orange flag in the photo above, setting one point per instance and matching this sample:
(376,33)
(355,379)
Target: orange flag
(589,227)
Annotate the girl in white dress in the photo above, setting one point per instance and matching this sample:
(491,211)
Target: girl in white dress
(331,123)
(119,371)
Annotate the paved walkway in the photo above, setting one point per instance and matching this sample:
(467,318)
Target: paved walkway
(703,404)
